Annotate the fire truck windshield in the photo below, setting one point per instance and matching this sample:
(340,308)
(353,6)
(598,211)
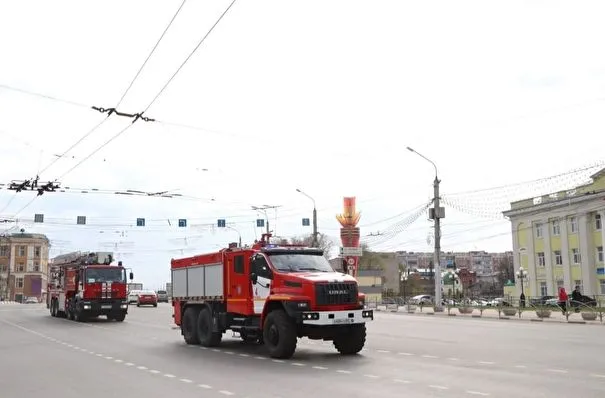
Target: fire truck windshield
(300,262)
(94,275)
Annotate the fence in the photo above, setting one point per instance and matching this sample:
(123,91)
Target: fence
(532,308)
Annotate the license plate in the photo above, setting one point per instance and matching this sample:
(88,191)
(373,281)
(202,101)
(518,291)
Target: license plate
(342,320)
(106,307)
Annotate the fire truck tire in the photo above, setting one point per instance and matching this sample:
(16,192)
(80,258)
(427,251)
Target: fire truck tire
(189,325)
(120,317)
(279,335)
(206,336)
(351,343)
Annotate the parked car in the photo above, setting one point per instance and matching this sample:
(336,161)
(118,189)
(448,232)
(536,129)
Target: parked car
(162,296)
(133,296)
(147,297)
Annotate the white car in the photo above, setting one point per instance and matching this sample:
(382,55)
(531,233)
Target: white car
(133,296)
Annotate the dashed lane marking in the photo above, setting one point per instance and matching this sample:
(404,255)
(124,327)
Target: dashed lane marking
(115,360)
(401,381)
(297,364)
(486,363)
(371,376)
(430,356)
(320,367)
(557,370)
(597,375)
(438,387)
(483,394)
(384,351)
(343,371)
(407,354)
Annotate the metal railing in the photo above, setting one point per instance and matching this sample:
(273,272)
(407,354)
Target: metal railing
(533,308)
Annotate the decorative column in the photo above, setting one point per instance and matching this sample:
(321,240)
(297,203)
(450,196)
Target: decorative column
(532,283)
(567,282)
(550,286)
(349,235)
(587,259)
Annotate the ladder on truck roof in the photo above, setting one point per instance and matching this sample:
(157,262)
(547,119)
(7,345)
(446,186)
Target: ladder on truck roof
(83,258)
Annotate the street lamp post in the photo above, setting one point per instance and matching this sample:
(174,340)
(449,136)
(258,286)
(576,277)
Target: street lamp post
(521,275)
(315,240)
(238,234)
(437,214)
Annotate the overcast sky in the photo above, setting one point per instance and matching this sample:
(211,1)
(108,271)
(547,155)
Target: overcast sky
(318,95)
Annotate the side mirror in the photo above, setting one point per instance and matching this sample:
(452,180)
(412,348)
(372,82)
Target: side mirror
(253,278)
(131,276)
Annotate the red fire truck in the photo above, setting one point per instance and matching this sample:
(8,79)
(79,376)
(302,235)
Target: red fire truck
(86,285)
(270,294)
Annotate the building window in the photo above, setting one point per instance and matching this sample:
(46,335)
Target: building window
(573,225)
(36,267)
(578,283)
(37,251)
(543,289)
(602,283)
(576,256)
(558,257)
(556,227)
(3,268)
(600,254)
(559,284)
(598,223)
(541,259)
(4,250)
(19,283)
(538,230)
(20,267)
(22,251)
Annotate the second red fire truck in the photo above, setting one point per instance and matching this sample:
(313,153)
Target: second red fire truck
(85,285)
(270,294)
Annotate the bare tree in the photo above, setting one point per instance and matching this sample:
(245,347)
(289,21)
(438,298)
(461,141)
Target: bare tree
(370,260)
(505,270)
(324,242)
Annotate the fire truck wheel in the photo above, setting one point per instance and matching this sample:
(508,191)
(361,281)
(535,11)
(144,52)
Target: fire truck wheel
(351,343)
(205,335)
(189,325)
(279,335)
(120,317)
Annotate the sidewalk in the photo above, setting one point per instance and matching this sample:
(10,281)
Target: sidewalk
(528,315)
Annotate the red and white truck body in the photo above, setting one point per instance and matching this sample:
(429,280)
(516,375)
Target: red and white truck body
(85,285)
(269,294)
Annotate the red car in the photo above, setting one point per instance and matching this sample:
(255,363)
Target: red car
(147,297)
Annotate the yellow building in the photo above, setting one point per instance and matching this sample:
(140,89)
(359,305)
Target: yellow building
(558,238)
(23,266)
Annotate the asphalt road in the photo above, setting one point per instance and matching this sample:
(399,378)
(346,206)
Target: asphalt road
(405,355)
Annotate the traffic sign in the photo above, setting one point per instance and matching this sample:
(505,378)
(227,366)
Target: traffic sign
(351,251)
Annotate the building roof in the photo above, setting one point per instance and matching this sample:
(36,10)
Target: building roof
(29,236)
(556,199)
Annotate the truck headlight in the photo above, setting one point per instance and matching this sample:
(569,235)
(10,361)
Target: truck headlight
(124,306)
(86,306)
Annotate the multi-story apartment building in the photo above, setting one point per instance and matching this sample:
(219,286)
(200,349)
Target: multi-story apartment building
(558,238)
(480,262)
(23,266)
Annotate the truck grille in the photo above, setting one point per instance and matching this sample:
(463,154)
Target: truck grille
(336,293)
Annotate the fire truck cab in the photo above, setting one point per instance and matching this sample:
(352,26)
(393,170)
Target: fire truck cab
(269,294)
(84,285)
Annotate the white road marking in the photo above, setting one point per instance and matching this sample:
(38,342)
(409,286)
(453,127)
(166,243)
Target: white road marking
(483,394)
(277,360)
(343,371)
(297,364)
(260,357)
(203,348)
(169,375)
(99,355)
(371,376)
(453,359)
(216,350)
(557,370)
(384,351)
(225,392)
(244,355)
(155,372)
(108,357)
(142,367)
(486,363)
(597,375)
(206,386)
(405,353)
(129,364)
(319,367)
(118,361)
(186,380)
(229,352)
(520,366)
(430,356)
(438,387)
(401,381)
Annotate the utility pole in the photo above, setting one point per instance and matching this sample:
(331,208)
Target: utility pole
(436,214)
(264,209)
(315,233)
